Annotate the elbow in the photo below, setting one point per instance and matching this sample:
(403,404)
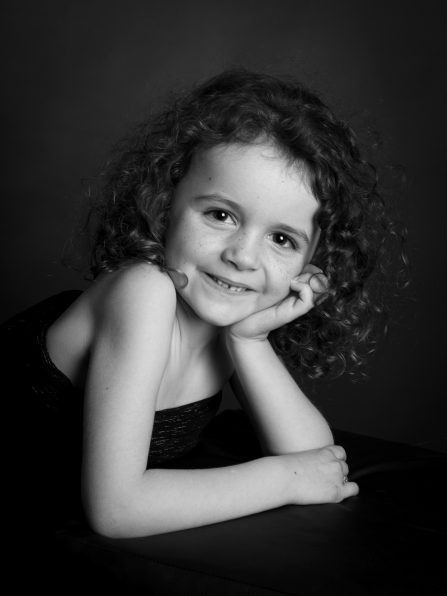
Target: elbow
(118,517)
(107,515)
(107,520)
(116,526)
(320,436)
(112,523)
(325,438)
(108,527)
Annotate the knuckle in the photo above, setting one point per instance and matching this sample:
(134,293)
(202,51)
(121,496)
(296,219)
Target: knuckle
(318,282)
(338,452)
(328,452)
(306,295)
(336,494)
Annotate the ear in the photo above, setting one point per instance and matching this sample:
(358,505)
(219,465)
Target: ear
(313,245)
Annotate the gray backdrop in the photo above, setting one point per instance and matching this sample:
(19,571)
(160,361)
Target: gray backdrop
(76,74)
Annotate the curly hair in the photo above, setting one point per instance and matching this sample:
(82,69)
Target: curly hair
(239,106)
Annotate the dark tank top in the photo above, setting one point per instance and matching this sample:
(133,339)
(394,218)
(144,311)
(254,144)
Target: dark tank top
(43,389)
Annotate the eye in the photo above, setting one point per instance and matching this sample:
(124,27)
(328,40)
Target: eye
(220,216)
(283,241)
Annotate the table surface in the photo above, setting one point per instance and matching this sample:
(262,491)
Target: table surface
(391,539)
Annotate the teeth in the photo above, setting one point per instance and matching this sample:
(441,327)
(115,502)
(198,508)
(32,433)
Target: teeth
(228,287)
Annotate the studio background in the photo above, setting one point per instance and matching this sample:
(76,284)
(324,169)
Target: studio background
(77,74)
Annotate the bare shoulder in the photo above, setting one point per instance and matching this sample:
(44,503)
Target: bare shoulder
(138,293)
(140,276)
(124,307)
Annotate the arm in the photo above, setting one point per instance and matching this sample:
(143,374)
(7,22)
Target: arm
(284,417)
(122,498)
(128,357)
(285,420)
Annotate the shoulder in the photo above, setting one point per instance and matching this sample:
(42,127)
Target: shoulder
(138,280)
(134,295)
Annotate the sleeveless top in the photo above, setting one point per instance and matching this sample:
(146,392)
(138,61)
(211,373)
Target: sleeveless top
(49,395)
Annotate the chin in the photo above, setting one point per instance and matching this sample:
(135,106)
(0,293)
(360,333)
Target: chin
(221,318)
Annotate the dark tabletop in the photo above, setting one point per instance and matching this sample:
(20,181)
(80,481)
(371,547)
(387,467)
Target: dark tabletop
(391,539)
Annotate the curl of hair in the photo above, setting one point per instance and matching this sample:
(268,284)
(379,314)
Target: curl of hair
(240,106)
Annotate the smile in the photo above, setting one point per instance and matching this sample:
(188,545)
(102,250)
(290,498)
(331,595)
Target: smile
(227,285)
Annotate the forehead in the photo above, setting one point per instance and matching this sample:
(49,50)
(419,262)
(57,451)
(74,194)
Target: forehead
(257,175)
(231,160)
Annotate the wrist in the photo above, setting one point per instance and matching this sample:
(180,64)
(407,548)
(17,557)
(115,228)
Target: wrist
(282,474)
(235,341)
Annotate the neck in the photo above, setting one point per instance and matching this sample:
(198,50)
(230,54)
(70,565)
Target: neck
(196,334)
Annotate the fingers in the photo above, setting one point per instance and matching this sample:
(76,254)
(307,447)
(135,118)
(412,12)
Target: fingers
(318,283)
(349,489)
(314,278)
(304,291)
(344,469)
(338,451)
(309,268)
(340,455)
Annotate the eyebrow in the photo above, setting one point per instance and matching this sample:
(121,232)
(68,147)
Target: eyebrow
(282,226)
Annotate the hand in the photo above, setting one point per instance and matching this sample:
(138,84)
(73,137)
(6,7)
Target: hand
(318,476)
(308,288)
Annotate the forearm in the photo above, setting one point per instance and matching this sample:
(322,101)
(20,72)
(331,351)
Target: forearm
(169,500)
(285,418)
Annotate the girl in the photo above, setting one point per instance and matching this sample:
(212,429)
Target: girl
(217,220)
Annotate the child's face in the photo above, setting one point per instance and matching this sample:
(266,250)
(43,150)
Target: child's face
(242,226)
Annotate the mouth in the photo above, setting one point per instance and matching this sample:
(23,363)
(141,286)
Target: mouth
(228,285)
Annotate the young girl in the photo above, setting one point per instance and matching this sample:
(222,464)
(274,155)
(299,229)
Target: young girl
(217,220)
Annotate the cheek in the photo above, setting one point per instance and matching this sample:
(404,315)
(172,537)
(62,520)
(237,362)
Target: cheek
(281,275)
(279,282)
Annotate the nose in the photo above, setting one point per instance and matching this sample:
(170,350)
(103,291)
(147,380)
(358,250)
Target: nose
(242,252)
